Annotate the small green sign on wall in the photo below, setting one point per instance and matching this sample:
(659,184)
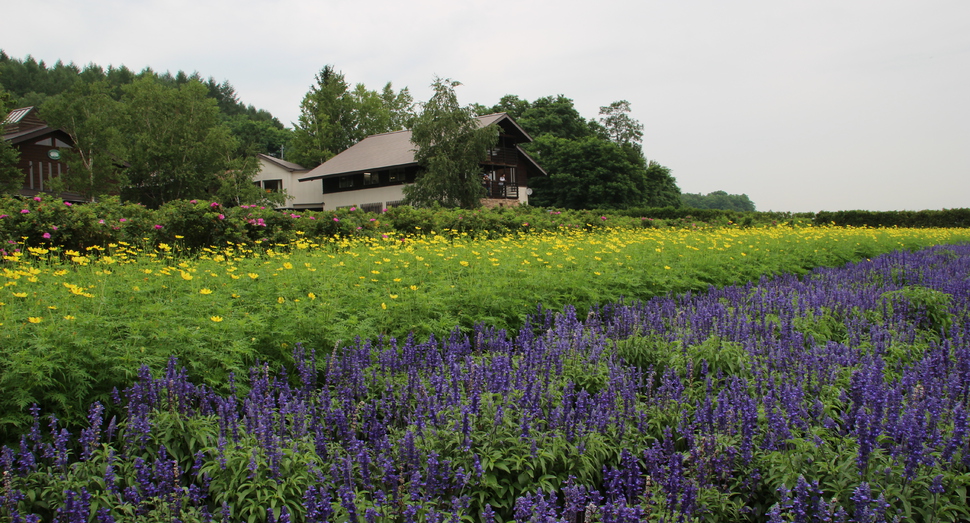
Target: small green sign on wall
(54,154)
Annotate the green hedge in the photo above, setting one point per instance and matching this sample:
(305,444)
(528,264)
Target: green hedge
(192,224)
(957,218)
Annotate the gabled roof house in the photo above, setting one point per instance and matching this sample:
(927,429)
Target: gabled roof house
(39,146)
(372,174)
(280,175)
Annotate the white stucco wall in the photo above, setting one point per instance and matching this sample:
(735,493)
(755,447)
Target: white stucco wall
(299,194)
(380,195)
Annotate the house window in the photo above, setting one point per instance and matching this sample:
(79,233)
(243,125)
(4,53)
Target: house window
(370,178)
(346,182)
(272,185)
(397,175)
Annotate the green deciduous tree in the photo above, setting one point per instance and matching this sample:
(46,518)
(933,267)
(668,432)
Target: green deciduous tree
(176,146)
(588,173)
(662,189)
(718,200)
(236,185)
(91,117)
(450,146)
(333,117)
(620,127)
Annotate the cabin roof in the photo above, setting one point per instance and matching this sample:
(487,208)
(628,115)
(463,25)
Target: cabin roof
(289,166)
(394,149)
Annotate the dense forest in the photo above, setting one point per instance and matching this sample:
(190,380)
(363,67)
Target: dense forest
(592,163)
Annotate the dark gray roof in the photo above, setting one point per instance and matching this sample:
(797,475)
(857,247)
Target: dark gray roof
(289,166)
(387,150)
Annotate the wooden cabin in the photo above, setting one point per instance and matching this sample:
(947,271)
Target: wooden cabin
(40,151)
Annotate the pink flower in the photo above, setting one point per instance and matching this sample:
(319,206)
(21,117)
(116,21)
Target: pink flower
(46,235)
(336,219)
(36,198)
(222,216)
(54,227)
(3,216)
(602,217)
(101,221)
(373,219)
(353,209)
(214,204)
(123,220)
(193,201)
(157,227)
(24,211)
(68,204)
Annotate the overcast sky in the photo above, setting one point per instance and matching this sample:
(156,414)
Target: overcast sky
(801,105)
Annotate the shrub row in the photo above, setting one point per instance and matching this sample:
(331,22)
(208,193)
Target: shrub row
(193,224)
(916,219)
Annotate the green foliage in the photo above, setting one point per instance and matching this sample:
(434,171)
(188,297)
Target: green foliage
(450,146)
(32,83)
(928,308)
(236,185)
(333,117)
(281,479)
(92,118)
(621,128)
(661,187)
(918,219)
(591,164)
(176,145)
(11,178)
(717,200)
(590,173)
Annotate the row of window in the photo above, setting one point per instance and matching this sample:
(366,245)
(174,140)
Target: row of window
(373,178)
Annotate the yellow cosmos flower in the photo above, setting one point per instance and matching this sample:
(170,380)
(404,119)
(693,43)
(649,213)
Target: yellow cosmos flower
(234,295)
(205,291)
(253,275)
(186,276)
(393,296)
(216,319)
(414,287)
(312,296)
(384,306)
(280,299)
(20,294)
(68,317)
(33,319)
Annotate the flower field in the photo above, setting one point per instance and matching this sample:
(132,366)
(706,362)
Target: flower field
(840,395)
(76,324)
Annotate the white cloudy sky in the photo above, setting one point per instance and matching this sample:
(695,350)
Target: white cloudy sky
(802,105)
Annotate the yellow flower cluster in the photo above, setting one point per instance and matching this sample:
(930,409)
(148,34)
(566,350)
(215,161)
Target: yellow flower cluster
(391,274)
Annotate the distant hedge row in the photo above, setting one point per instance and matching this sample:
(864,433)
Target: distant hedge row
(44,221)
(916,219)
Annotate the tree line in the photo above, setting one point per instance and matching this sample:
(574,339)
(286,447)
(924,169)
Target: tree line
(154,137)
